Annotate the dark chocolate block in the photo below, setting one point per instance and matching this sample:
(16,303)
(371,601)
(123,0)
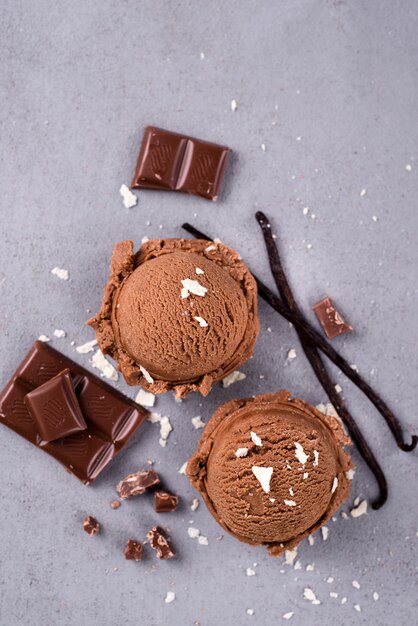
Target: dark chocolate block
(133,550)
(55,409)
(136,484)
(159,541)
(174,162)
(110,417)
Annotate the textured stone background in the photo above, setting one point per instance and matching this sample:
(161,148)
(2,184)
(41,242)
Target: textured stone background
(331,89)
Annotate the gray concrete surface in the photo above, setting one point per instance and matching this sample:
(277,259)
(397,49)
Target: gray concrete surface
(330,88)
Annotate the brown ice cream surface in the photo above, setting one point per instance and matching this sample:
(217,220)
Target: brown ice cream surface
(179,314)
(302,480)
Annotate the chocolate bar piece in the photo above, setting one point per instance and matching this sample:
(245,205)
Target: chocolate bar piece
(165,502)
(133,550)
(174,162)
(91,525)
(159,541)
(136,484)
(55,409)
(330,319)
(110,417)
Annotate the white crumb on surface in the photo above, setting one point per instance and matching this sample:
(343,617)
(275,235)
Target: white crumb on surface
(291,354)
(192,286)
(195,504)
(145,398)
(300,453)
(343,600)
(311,540)
(359,510)
(202,56)
(290,556)
(183,468)
(210,248)
(129,199)
(316,459)
(291,491)
(241,452)
(87,347)
(357,607)
(333,594)
(354,367)
(334,484)
(199,271)
(60,273)
(170,597)
(350,474)
(58,332)
(146,375)
(234,105)
(338,388)
(408,167)
(363,193)
(272,499)
(375,596)
(249,572)
(194,533)
(305,475)
(197,422)
(165,430)
(288,615)
(330,580)
(263,475)
(297,565)
(355,584)
(344,515)
(255,439)
(43,338)
(289,502)
(356,501)
(154,418)
(309,595)
(310,567)
(305,210)
(324,532)
(233,377)
(263,147)
(202,323)
(374,218)
(102,364)
(144,239)
(203,541)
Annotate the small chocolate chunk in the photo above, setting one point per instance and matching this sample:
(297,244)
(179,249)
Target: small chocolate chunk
(133,550)
(165,502)
(115,504)
(91,525)
(175,162)
(55,409)
(330,319)
(159,541)
(136,484)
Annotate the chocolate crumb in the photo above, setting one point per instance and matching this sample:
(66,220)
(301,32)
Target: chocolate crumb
(330,319)
(115,504)
(91,525)
(159,541)
(165,502)
(136,484)
(133,550)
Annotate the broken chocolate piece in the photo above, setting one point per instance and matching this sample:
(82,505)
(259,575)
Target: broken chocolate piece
(133,550)
(136,484)
(111,418)
(159,541)
(115,504)
(55,409)
(165,502)
(330,319)
(91,525)
(175,162)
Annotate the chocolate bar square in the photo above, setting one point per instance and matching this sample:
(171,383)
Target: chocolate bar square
(55,409)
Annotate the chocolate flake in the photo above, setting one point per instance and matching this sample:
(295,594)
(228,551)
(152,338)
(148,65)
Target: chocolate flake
(91,525)
(330,319)
(159,541)
(136,484)
(133,550)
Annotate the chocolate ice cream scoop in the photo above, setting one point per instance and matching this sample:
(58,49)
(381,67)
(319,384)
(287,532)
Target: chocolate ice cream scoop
(179,314)
(271,469)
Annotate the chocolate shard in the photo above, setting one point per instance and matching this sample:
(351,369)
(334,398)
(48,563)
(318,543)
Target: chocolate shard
(111,418)
(330,319)
(165,502)
(137,483)
(133,550)
(159,541)
(55,409)
(91,525)
(174,162)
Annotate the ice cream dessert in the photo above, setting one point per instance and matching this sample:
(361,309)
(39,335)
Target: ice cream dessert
(179,314)
(271,469)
